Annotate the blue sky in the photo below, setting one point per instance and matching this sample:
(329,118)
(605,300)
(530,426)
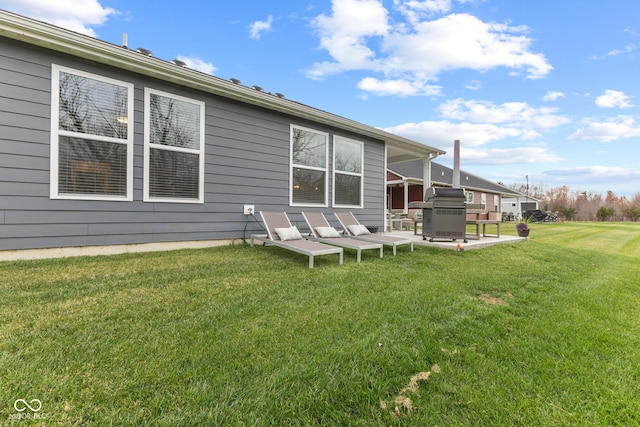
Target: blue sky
(546,89)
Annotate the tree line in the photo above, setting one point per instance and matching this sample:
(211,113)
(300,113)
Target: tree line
(572,205)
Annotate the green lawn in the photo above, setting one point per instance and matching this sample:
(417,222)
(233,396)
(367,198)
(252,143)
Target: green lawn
(542,332)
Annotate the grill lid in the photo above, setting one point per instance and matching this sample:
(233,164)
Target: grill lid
(452,193)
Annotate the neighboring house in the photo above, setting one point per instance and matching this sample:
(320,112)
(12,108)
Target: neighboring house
(102,145)
(405,185)
(519,204)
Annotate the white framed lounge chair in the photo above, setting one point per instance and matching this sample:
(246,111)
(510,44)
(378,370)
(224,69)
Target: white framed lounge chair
(321,231)
(282,234)
(355,230)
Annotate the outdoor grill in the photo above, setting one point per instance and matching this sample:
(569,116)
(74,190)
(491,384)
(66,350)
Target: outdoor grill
(443,214)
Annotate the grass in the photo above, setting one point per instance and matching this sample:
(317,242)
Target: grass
(543,332)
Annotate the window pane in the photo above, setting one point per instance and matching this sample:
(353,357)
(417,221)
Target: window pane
(174,123)
(308,186)
(92,167)
(173,174)
(92,107)
(348,156)
(309,148)
(347,189)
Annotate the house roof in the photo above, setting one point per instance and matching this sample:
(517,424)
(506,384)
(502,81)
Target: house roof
(442,175)
(48,36)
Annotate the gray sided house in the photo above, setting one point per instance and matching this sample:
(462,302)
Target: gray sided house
(405,185)
(102,146)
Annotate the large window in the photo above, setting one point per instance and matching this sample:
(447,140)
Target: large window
(91,136)
(347,172)
(309,158)
(174,148)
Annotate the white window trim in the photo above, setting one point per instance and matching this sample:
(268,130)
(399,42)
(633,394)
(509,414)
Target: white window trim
(148,145)
(56,132)
(361,174)
(470,196)
(292,166)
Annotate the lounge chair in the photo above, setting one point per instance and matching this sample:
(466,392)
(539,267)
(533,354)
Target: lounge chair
(278,224)
(321,231)
(357,231)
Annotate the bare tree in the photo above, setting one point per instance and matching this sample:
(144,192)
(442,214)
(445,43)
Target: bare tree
(308,148)
(173,123)
(87,108)
(582,205)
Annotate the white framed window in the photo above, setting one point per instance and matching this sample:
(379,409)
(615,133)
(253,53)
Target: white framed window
(348,158)
(91,136)
(309,159)
(470,196)
(173,148)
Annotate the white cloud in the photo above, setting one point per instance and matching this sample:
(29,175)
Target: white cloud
(462,41)
(428,6)
(509,113)
(473,85)
(414,10)
(258,27)
(442,133)
(615,128)
(597,177)
(478,124)
(358,36)
(399,87)
(598,171)
(627,49)
(612,99)
(198,64)
(509,156)
(553,95)
(344,35)
(75,15)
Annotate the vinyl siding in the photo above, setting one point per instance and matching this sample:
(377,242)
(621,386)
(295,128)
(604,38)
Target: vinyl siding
(246,162)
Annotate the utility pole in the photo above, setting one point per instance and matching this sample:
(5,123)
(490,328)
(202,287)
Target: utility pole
(527,198)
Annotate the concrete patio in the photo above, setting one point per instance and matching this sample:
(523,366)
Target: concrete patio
(483,242)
